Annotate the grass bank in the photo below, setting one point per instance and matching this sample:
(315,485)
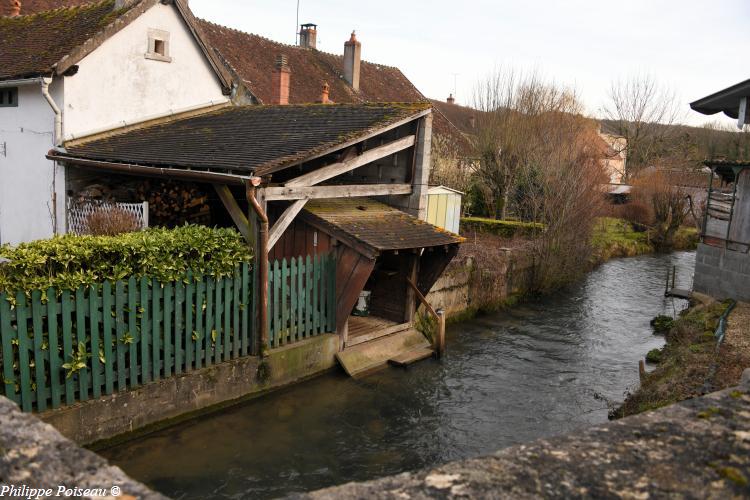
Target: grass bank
(690,364)
(615,238)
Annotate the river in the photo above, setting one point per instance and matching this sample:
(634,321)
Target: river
(544,368)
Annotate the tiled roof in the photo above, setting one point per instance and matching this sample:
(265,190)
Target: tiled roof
(33,44)
(34,6)
(376,225)
(259,139)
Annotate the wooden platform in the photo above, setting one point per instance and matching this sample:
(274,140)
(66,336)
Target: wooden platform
(366,329)
(366,357)
(409,357)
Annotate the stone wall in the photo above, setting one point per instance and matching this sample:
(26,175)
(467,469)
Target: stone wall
(722,273)
(465,287)
(33,455)
(696,449)
(189,394)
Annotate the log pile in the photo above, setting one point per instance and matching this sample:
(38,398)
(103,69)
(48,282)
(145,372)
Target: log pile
(173,203)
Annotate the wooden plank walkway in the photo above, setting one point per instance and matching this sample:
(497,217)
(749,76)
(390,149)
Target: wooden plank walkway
(366,329)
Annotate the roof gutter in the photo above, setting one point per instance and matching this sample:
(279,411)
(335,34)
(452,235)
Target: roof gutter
(21,81)
(141,170)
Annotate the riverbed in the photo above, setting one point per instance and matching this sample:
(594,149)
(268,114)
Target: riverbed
(544,368)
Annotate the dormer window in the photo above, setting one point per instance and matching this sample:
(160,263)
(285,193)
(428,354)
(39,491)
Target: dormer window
(158,45)
(9,97)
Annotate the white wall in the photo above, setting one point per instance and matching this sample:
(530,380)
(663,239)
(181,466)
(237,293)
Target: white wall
(27,179)
(116,83)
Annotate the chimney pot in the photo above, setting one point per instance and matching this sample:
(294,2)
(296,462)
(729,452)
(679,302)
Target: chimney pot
(324,94)
(352,61)
(15,8)
(281,80)
(308,36)
(451,99)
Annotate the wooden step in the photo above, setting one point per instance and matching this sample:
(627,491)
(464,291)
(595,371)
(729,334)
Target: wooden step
(370,356)
(383,332)
(409,357)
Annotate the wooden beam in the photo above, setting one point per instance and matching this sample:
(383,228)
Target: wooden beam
(286,218)
(343,191)
(330,171)
(235,212)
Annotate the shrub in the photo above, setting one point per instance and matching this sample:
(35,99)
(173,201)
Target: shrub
(503,228)
(662,324)
(654,356)
(110,220)
(68,262)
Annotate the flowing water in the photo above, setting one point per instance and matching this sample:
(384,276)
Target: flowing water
(545,368)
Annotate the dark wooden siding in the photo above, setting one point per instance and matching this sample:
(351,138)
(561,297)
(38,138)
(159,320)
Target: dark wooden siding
(301,239)
(352,273)
(389,287)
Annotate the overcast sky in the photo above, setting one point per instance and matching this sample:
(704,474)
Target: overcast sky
(695,46)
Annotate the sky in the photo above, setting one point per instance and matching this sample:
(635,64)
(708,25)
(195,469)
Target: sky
(695,47)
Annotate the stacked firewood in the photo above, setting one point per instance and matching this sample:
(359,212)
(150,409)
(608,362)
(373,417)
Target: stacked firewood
(174,203)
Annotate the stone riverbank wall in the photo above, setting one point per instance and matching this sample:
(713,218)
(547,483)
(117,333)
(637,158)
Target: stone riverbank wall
(696,449)
(466,288)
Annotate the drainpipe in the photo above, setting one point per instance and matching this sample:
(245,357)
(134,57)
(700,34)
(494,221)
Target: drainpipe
(262,259)
(55,108)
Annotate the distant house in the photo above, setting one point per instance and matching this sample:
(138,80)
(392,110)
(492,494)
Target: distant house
(722,267)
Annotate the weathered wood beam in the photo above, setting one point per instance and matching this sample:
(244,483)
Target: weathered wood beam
(330,171)
(344,191)
(286,218)
(235,212)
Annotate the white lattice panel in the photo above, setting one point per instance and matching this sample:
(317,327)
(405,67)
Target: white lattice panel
(79,213)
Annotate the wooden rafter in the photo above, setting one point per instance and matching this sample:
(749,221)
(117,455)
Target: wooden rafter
(330,171)
(286,218)
(344,191)
(235,212)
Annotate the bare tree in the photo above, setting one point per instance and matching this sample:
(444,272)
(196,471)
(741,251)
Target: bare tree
(641,111)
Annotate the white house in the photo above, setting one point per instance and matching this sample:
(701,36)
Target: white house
(78,71)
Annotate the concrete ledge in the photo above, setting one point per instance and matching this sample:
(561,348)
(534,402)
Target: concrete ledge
(35,455)
(697,449)
(184,395)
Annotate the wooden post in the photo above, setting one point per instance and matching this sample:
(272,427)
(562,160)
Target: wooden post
(641,370)
(440,340)
(344,336)
(411,299)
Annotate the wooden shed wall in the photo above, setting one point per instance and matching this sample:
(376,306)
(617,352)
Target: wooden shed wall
(301,239)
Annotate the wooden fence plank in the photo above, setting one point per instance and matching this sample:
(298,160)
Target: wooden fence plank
(218,315)
(293,316)
(227,318)
(96,365)
(80,338)
(284,332)
(8,335)
(155,330)
(55,363)
(189,301)
(67,320)
(109,358)
(167,351)
(146,338)
(40,376)
(120,333)
(244,312)
(309,310)
(23,350)
(254,320)
(301,325)
(316,295)
(237,337)
(277,303)
(200,330)
(210,332)
(179,327)
(135,338)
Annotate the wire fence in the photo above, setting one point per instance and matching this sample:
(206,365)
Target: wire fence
(79,213)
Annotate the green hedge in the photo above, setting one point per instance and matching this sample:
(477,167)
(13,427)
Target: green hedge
(504,228)
(67,262)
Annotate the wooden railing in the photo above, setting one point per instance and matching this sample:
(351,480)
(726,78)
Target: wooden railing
(301,298)
(439,316)
(72,345)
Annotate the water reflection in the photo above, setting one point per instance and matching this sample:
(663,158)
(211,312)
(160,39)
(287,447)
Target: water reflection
(545,368)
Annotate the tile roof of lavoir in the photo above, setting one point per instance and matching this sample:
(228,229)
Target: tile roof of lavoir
(247,139)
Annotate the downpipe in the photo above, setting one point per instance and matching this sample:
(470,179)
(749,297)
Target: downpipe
(57,140)
(262,259)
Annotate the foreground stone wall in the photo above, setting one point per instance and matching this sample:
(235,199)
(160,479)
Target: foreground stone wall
(189,394)
(696,449)
(33,455)
(722,273)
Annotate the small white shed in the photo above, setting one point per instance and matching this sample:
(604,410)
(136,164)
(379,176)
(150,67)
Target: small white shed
(444,208)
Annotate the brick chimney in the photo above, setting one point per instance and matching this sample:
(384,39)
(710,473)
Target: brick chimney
(281,81)
(308,36)
(15,8)
(324,94)
(451,99)
(352,61)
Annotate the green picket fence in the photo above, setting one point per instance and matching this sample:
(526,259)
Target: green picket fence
(301,298)
(96,340)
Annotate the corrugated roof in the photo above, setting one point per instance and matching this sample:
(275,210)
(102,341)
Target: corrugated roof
(259,139)
(376,225)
